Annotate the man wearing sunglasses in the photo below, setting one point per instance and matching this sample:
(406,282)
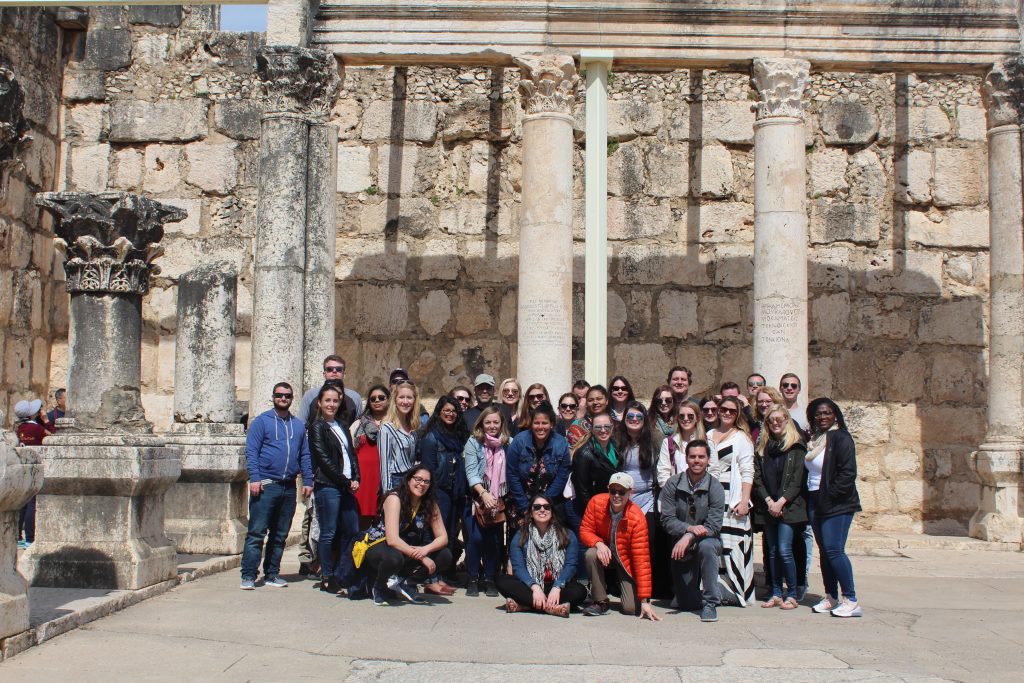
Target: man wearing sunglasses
(483,388)
(692,507)
(614,529)
(334,372)
(275,452)
(790,387)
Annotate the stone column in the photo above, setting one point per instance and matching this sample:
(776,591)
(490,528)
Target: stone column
(998,461)
(101,509)
(544,341)
(300,87)
(207,507)
(780,220)
(21,476)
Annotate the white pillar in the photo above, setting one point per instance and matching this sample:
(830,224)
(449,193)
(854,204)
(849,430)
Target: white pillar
(597,63)
(780,220)
(544,342)
(998,461)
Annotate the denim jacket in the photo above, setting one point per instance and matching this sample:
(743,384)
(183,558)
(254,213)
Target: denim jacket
(520,457)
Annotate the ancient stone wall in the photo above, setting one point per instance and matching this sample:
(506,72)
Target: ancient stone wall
(33,305)
(428,219)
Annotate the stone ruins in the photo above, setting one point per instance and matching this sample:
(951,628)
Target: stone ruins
(189,215)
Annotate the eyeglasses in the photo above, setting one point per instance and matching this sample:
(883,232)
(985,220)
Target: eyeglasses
(634,417)
(334,368)
(535,397)
(378,399)
(767,402)
(278,394)
(616,492)
(664,401)
(462,399)
(567,406)
(727,411)
(688,417)
(755,383)
(790,385)
(421,481)
(537,507)
(711,410)
(510,392)
(448,413)
(601,428)
(620,388)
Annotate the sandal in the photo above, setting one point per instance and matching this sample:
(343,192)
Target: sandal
(439,588)
(789,603)
(774,601)
(558,610)
(511,606)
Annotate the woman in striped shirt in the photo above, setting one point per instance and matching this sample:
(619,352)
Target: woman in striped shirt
(397,439)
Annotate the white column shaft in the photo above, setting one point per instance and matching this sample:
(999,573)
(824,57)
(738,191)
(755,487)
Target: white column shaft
(596,188)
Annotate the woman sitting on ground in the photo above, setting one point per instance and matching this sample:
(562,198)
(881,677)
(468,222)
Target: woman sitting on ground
(543,555)
(398,541)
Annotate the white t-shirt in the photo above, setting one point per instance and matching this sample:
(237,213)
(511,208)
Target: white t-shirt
(814,471)
(799,415)
(346,457)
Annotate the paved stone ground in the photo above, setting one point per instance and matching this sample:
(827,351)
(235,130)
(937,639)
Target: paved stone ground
(929,615)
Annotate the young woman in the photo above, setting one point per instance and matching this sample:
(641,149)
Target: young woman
(735,471)
(780,504)
(597,403)
(594,461)
(568,404)
(509,393)
(537,462)
(364,435)
(621,393)
(709,412)
(672,456)
(543,555)
(765,399)
(484,457)
(440,443)
(663,415)
(396,440)
(335,480)
(831,463)
(535,395)
(408,540)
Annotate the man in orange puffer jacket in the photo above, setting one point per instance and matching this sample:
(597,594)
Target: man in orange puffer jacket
(615,532)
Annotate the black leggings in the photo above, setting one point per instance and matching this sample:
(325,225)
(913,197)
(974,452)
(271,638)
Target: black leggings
(511,587)
(382,562)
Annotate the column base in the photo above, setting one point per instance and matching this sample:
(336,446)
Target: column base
(999,468)
(207,509)
(100,513)
(21,476)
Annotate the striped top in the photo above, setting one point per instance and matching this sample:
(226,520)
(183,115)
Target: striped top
(397,452)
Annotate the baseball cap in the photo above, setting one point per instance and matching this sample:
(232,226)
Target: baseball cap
(397,374)
(483,379)
(622,479)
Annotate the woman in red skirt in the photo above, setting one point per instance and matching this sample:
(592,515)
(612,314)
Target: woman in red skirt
(364,436)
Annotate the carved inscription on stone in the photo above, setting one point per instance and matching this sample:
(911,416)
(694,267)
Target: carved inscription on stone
(542,323)
(776,321)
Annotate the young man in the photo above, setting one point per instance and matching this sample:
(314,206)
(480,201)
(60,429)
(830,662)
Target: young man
(483,388)
(755,383)
(579,390)
(614,530)
(275,453)
(790,387)
(680,379)
(692,505)
(334,371)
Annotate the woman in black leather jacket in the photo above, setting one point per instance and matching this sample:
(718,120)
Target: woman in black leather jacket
(335,480)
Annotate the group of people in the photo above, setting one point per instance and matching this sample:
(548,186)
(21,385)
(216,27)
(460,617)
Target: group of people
(558,504)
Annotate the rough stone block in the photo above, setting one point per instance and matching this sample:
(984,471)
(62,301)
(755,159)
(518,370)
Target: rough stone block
(841,222)
(406,180)
(440,260)
(85,122)
(668,169)
(81,84)
(354,174)
(89,167)
(721,317)
(127,173)
(734,265)
(960,177)
(416,121)
(413,216)
(163,16)
(370,259)
(152,48)
(916,188)
(628,221)
(629,118)
(909,272)
(970,123)
(164,121)
(162,172)
(212,167)
(953,322)
(905,375)
(869,424)
(484,263)
(184,252)
(884,318)
(108,49)
(644,364)
(716,177)
(953,377)
(191,224)
(856,375)
(848,123)
(868,176)
(729,122)
(238,119)
(626,171)
(828,267)
(380,311)
(617,314)
(435,311)
(927,123)
(477,116)
(645,264)
(827,171)
(727,222)
(830,317)
(472,312)
(467,217)
(677,314)
(964,229)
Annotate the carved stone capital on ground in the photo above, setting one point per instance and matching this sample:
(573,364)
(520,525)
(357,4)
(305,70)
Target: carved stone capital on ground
(13,126)
(780,85)
(548,82)
(109,239)
(1002,93)
(298,80)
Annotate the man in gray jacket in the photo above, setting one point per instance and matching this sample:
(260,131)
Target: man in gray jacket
(692,506)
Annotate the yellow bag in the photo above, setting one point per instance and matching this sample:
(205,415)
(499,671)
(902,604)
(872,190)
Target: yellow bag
(359,548)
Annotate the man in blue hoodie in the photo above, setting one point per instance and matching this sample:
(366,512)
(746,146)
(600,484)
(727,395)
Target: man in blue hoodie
(275,452)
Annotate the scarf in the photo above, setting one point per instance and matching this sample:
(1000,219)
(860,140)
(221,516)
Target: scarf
(609,454)
(494,469)
(817,444)
(543,553)
(368,428)
(665,427)
(447,439)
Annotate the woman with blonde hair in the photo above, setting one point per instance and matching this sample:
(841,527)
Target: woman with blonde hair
(780,501)
(484,460)
(509,393)
(396,440)
(765,398)
(672,455)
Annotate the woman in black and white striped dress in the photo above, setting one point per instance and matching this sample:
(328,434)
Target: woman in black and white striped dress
(735,471)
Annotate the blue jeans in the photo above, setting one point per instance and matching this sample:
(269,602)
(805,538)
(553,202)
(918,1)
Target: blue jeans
(272,512)
(831,534)
(338,515)
(452,511)
(778,542)
(481,543)
(574,520)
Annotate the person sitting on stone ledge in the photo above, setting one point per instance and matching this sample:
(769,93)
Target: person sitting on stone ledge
(32,428)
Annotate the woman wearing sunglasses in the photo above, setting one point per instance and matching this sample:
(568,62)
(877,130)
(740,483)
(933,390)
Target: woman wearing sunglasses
(594,461)
(765,398)
(535,395)
(672,456)
(484,456)
(735,471)
(597,403)
(709,412)
(663,415)
(543,554)
(509,393)
(568,404)
(364,435)
(621,392)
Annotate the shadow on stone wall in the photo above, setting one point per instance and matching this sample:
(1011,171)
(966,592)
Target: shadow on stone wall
(75,567)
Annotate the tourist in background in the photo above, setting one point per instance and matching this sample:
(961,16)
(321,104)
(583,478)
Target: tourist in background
(709,412)
(790,386)
(663,415)
(831,463)
(483,390)
(680,379)
(580,388)
(621,393)
(60,405)
(755,382)
(462,396)
(365,431)
(396,440)
(399,375)
(509,394)
(735,452)
(535,395)
(567,408)
(672,456)
(780,501)
(597,403)
(335,480)
(765,399)
(334,371)
(32,428)
(486,476)
(537,462)
(543,554)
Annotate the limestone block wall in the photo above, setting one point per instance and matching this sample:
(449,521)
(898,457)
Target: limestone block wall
(33,304)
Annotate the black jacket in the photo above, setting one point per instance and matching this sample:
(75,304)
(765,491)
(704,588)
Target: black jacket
(590,474)
(837,493)
(793,487)
(326,453)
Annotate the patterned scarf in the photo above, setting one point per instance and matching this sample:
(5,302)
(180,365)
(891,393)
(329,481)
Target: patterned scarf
(817,444)
(543,554)
(494,471)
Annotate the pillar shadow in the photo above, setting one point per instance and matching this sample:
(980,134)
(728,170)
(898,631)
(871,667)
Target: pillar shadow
(396,138)
(76,568)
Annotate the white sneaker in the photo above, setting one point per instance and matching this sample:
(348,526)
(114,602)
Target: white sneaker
(847,608)
(827,604)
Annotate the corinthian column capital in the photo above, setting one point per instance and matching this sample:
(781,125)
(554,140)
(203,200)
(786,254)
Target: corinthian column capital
(1002,93)
(780,84)
(298,80)
(549,82)
(110,239)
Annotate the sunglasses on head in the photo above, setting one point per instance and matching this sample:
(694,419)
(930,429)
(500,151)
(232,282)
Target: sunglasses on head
(537,507)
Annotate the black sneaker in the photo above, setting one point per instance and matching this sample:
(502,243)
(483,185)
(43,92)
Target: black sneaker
(472,588)
(597,609)
(709,613)
(490,589)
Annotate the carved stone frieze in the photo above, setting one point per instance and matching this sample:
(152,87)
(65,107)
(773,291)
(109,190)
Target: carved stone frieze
(548,83)
(110,239)
(13,126)
(780,85)
(298,80)
(1002,93)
